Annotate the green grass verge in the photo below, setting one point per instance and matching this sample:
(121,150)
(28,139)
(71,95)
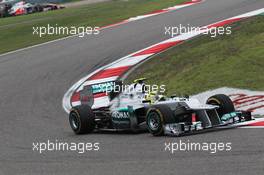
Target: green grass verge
(16,32)
(204,63)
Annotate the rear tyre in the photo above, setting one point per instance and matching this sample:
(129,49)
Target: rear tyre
(82,119)
(157,116)
(224,102)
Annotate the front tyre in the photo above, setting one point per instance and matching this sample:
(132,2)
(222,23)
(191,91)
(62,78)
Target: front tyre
(156,117)
(224,102)
(82,119)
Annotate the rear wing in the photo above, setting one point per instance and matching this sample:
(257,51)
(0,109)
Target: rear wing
(86,96)
(99,95)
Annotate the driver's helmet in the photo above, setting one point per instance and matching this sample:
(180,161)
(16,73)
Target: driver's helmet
(154,97)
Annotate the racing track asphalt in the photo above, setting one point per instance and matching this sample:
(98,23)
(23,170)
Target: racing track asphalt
(33,82)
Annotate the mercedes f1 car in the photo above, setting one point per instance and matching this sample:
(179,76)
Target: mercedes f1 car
(137,110)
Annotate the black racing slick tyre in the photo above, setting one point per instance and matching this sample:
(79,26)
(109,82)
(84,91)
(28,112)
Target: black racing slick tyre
(156,117)
(82,119)
(224,102)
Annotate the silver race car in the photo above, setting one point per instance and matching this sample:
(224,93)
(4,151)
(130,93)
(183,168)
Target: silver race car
(137,109)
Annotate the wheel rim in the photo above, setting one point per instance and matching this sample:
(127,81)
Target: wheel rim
(154,121)
(74,121)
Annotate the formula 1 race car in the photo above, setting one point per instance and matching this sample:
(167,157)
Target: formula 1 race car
(136,109)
